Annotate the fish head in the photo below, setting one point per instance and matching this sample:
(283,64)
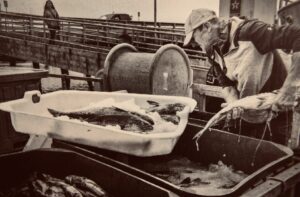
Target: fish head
(138,127)
(178,106)
(145,126)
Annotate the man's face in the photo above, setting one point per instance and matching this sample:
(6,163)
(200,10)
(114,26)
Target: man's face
(208,36)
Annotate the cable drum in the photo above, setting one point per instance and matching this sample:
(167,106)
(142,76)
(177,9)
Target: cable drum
(166,72)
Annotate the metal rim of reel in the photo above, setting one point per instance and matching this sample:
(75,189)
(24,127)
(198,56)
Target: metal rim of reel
(110,58)
(158,55)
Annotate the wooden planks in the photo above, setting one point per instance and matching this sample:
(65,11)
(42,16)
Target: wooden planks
(80,60)
(85,61)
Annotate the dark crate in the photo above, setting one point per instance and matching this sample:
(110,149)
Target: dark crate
(16,167)
(213,146)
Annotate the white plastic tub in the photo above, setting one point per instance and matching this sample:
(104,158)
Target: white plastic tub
(30,115)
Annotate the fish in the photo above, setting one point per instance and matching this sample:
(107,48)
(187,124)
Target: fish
(128,121)
(259,102)
(46,186)
(86,193)
(86,185)
(166,109)
(68,189)
(171,118)
(147,118)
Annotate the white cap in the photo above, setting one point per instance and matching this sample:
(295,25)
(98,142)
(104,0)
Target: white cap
(196,19)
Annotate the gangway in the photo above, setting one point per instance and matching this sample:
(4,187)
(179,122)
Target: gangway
(83,43)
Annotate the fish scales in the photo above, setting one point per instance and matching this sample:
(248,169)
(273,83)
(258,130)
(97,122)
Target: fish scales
(109,116)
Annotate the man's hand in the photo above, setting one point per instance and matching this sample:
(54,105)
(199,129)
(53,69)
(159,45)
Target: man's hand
(252,116)
(285,101)
(236,112)
(230,94)
(286,98)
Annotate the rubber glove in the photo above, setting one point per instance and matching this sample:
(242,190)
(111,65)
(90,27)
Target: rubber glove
(252,116)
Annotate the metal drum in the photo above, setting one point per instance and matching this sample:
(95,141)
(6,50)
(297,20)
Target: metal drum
(166,72)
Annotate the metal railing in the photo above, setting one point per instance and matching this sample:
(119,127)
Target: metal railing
(99,35)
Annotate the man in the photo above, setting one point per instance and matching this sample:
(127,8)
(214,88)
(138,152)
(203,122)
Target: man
(244,58)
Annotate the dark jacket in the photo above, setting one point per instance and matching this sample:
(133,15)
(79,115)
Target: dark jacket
(51,13)
(266,38)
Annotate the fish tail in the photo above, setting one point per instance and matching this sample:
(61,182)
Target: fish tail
(54,112)
(119,109)
(144,125)
(153,103)
(217,118)
(197,136)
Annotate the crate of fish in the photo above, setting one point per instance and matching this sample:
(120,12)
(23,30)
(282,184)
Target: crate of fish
(58,172)
(224,164)
(135,124)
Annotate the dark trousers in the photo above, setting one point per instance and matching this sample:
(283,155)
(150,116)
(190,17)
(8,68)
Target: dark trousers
(52,35)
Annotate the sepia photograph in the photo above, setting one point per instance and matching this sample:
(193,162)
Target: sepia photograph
(149,98)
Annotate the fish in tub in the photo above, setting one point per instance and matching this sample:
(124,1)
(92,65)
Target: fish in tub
(45,185)
(105,113)
(136,124)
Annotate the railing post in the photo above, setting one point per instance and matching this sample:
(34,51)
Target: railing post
(0,21)
(98,33)
(90,83)
(12,62)
(106,34)
(12,25)
(144,32)
(24,25)
(60,31)
(30,26)
(134,35)
(83,33)
(66,82)
(44,30)
(69,30)
(36,65)
(5,22)
(137,35)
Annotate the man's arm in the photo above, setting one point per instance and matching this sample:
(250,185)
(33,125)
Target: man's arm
(286,97)
(267,38)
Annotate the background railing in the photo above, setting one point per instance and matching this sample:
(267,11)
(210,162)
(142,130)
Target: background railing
(96,34)
(83,44)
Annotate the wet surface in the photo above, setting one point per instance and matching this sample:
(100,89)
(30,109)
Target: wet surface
(196,177)
(51,84)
